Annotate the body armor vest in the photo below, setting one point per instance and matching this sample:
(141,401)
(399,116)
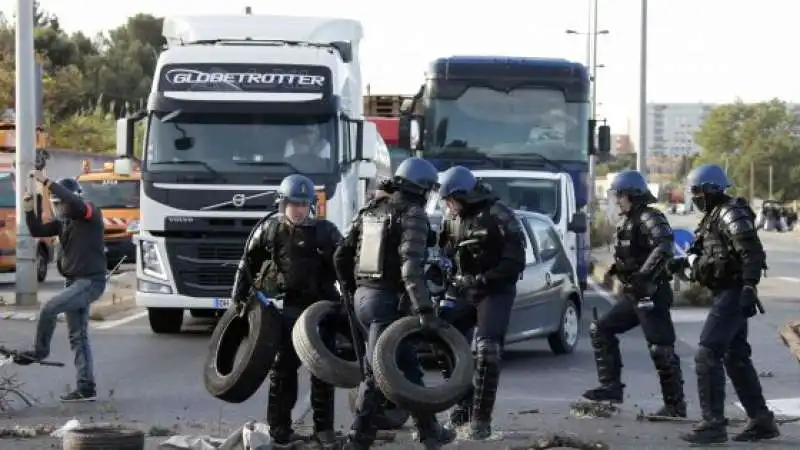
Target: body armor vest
(631,247)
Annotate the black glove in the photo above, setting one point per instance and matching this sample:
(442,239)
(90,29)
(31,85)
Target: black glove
(468,282)
(677,266)
(428,321)
(612,271)
(748,300)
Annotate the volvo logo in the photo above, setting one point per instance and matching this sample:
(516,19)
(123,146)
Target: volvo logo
(238,200)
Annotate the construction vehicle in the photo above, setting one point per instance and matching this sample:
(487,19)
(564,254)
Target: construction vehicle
(117,196)
(45,247)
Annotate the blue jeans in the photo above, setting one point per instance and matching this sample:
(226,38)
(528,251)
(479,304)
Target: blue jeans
(74,302)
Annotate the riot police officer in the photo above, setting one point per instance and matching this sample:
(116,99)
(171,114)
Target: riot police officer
(643,249)
(729,262)
(292,255)
(485,282)
(382,258)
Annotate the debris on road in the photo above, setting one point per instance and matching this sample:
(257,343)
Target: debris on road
(729,421)
(585,409)
(558,441)
(790,335)
(11,388)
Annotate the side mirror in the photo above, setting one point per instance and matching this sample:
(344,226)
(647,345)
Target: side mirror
(359,153)
(125,133)
(123,166)
(367,170)
(604,139)
(579,223)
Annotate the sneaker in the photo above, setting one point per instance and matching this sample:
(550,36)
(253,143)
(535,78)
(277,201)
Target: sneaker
(79,396)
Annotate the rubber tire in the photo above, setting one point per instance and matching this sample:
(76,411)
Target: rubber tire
(165,320)
(558,344)
(204,313)
(393,419)
(42,261)
(249,356)
(318,358)
(103,438)
(407,395)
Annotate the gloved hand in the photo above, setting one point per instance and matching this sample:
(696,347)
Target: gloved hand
(27,203)
(676,266)
(748,300)
(429,322)
(612,271)
(468,282)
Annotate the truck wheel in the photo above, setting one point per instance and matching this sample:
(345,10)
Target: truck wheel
(165,320)
(103,437)
(42,261)
(407,395)
(205,313)
(566,338)
(315,355)
(241,352)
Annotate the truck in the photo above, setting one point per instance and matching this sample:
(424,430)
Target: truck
(237,104)
(384,112)
(117,196)
(511,113)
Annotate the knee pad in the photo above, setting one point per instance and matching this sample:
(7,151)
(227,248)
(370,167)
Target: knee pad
(488,351)
(738,356)
(601,338)
(705,358)
(665,353)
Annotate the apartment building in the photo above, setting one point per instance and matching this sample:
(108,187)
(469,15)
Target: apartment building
(671,128)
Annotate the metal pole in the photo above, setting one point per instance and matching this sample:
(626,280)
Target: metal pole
(770,182)
(26,283)
(641,155)
(591,43)
(589,38)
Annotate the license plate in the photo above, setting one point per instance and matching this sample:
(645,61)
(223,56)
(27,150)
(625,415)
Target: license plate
(222,303)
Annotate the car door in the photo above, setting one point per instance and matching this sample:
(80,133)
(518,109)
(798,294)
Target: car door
(549,248)
(526,318)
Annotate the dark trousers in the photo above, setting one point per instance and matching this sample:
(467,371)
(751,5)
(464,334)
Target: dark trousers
(656,323)
(724,348)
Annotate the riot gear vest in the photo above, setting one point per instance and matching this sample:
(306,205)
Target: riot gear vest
(643,243)
(377,257)
(296,265)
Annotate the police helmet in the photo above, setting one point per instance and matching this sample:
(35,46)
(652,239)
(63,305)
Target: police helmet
(70,184)
(416,175)
(456,181)
(707,179)
(297,189)
(632,184)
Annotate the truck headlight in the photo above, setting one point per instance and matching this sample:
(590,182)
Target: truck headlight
(152,264)
(133,226)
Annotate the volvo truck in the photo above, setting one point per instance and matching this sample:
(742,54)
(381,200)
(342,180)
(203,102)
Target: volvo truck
(237,104)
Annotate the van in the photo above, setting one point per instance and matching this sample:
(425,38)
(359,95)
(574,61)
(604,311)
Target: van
(549,193)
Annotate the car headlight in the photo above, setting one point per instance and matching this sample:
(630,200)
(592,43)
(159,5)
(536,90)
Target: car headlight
(133,226)
(152,264)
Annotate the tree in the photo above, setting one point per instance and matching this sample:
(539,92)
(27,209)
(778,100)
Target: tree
(763,135)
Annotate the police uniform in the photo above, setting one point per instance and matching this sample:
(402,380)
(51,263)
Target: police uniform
(381,259)
(293,260)
(486,274)
(643,249)
(730,260)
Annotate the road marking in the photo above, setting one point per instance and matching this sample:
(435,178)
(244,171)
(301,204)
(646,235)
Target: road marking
(789,279)
(789,407)
(122,321)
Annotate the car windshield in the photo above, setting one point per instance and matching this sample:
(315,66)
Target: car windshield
(112,193)
(522,121)
(240,142)
(8,193)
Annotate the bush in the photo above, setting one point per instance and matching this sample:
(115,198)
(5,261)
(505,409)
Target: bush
(601,231)
(694,295)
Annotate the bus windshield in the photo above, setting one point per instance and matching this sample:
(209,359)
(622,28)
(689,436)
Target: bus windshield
(123,194)
(523,121)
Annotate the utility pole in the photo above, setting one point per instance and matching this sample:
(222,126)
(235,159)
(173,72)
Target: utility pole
(593,113)
(641,155)
(26,282)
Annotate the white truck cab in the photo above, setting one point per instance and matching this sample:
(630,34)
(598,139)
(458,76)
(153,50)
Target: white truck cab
(548,193)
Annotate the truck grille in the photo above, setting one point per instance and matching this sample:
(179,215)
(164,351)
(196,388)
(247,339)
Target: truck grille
(204,268)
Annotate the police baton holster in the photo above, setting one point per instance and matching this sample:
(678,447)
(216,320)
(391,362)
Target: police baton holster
(359,346)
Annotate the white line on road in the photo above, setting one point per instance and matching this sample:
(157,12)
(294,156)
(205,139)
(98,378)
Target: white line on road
(122,321)
(789,279)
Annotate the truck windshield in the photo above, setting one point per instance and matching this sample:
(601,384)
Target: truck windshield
(240,142)
(122,194)
(496,123)
(8,196)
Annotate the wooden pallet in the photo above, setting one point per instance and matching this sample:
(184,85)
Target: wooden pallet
(383,105)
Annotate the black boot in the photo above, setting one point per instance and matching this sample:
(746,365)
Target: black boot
(759,428)
(484,385)
(609,369)
(322,395)
(461,413)
(281,400)
(368,403)
(432,435)
(668,366)
(711,392)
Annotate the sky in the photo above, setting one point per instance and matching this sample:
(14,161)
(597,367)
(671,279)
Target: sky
(710,51)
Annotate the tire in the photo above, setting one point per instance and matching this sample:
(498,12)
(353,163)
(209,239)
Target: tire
(315,355)
(42,262)
(241,352)
(391,419)
(566,339)
(102,438)
(165,320)
(204,313)
(405,394)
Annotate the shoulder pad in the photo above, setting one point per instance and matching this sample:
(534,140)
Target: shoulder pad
(261,233)
(501,211)
(736,218)
(655,222)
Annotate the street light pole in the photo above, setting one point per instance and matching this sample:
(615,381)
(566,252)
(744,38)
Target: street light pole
(593,114)
(641,155)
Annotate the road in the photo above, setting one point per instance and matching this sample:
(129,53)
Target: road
(155,381)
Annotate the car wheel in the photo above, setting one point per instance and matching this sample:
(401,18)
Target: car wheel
(566,338)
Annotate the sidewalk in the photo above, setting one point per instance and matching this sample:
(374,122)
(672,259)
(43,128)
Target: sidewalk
(119,296)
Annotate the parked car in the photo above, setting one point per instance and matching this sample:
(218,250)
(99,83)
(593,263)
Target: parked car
(549,302)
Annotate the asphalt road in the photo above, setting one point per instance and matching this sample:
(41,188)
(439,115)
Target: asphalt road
(156,381)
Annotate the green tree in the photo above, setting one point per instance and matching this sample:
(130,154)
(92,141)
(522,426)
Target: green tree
(760,135)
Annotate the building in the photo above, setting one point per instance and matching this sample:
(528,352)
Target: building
(623,144)
(671,128)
